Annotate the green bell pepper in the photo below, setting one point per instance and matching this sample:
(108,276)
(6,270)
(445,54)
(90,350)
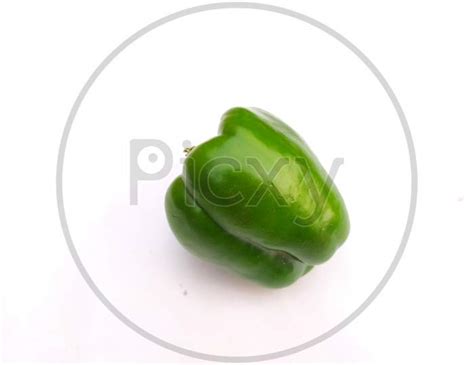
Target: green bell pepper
(256,200)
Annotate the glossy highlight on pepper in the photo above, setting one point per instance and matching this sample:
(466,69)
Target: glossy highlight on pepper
(256,200)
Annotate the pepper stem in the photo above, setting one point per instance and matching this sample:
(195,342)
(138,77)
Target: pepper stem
(187,150)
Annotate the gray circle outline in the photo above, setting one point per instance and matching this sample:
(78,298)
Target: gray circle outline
(255,6)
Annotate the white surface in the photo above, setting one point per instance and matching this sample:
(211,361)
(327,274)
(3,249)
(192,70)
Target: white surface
(173,85)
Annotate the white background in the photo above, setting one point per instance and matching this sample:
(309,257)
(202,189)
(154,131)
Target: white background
(173,85)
